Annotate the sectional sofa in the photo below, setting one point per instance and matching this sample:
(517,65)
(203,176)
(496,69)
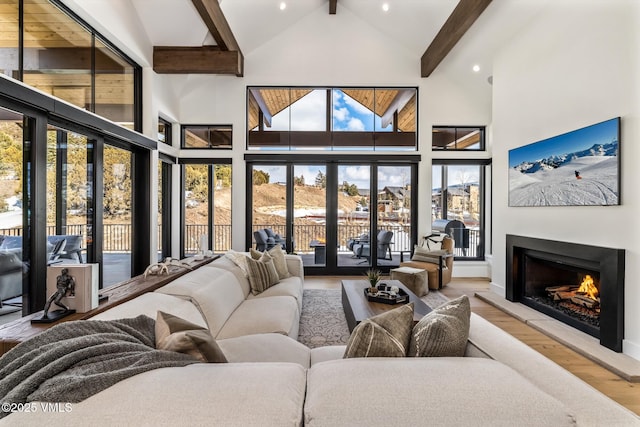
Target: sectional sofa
(273,380)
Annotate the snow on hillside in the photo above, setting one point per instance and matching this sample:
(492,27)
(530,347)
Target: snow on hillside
(557,187)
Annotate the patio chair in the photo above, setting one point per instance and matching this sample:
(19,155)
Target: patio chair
(277,239)
(263,241)
(363,250)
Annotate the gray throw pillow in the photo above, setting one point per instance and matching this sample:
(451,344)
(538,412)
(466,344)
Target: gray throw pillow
(176,334)
(443,332)
(384,335)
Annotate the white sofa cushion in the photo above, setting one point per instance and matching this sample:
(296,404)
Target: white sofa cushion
(263,315)
(150,303)
(230,394)
(291,286)
(214,291)
(440,391)
(265,348)
(241,276)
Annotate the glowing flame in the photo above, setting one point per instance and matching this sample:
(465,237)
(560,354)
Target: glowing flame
(588,288)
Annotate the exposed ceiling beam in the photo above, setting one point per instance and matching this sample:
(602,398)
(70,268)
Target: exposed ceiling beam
(214,19)
(460,20)
(333,5)
(196,60)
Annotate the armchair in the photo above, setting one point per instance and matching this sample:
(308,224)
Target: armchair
(437,262)
(263,241)
(363,249)
(277,239)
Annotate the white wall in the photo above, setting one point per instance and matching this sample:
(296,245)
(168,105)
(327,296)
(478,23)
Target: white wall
(575,65)
(332,50)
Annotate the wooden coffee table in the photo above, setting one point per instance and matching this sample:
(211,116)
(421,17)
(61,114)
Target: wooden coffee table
(357,308)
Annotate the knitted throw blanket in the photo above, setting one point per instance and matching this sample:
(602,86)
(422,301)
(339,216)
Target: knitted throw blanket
(74,360)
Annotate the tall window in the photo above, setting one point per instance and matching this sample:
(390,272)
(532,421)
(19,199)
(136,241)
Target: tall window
(12,254)
(332,118)
(164,207)
(457,201)
(118,230)
(63,56)
(206,210)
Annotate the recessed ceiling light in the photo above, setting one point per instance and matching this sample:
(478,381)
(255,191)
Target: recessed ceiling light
(476,68)
(283,5)
(385,7)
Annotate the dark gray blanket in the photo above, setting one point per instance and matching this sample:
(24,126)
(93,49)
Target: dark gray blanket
(74,360)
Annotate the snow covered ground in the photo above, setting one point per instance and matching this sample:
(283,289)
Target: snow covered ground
(560,187)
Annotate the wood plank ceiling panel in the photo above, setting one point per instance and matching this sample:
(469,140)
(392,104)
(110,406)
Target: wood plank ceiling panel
(460,20)
(407,116)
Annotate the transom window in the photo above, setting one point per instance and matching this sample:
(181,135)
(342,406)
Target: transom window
(469,138)
(207,136)
(288,118)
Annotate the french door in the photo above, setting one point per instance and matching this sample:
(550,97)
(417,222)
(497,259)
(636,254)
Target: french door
(340,217)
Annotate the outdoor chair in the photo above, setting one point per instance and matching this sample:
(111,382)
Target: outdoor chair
(277,239)
(263,241)
(363,249)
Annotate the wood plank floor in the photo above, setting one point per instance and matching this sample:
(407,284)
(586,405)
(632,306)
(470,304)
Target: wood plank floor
(623,392)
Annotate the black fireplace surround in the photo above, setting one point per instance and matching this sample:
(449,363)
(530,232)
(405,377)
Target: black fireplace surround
(605,264)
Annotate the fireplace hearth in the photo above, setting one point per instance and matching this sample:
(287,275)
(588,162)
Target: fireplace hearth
(580,285)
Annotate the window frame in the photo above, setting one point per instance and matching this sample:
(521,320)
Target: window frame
(330,139)
(482,164)
(183,134)
(481,142)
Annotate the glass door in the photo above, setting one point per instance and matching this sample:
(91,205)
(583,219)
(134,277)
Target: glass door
(394,214)
(309,213)
(353,195)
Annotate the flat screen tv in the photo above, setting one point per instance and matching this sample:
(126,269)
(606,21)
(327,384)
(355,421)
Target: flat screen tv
(578,168)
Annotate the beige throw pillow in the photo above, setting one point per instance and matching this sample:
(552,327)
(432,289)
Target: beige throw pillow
(279,261)
(384,335)
(443,332)
(262,273)
(238,259)
(423,254)
(176,334)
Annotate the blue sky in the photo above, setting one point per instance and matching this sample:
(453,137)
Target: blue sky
(309,114)
(570,142)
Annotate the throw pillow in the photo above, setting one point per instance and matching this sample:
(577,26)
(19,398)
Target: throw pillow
(262,273)
(425,255)
(238,259)
(384,335)
(277,253)
(443,332)
(176,334)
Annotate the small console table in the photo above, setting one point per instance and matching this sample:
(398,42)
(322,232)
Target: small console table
(13,333)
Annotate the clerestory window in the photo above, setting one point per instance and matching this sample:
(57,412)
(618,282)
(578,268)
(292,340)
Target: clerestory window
(325,118)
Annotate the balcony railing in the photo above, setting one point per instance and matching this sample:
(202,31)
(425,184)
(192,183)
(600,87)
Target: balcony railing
(117,237)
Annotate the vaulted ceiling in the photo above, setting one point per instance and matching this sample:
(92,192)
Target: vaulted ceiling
(210,45)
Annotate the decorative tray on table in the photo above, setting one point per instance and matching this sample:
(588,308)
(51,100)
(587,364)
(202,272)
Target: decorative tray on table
(386,296)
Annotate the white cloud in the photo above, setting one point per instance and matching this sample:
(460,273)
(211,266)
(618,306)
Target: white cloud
(340,114)
(356,125)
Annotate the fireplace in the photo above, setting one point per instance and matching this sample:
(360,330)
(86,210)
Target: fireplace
(580,285)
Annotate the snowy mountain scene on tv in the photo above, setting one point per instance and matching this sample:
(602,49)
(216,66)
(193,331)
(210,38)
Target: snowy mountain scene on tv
(579,168)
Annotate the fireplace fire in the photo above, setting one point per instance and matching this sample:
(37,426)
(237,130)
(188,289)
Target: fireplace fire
(580,285)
